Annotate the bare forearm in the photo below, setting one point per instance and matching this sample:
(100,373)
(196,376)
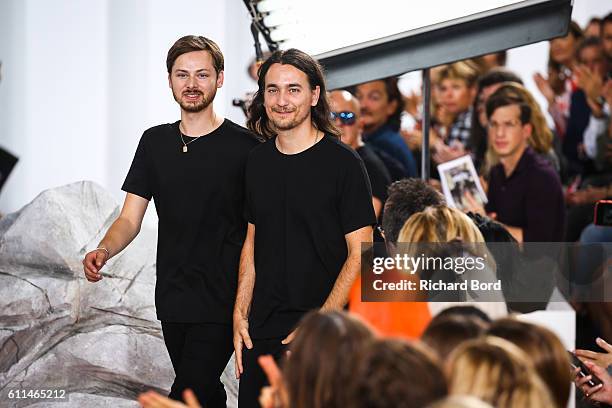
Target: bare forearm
(119,235)
(246,280)
(338,297)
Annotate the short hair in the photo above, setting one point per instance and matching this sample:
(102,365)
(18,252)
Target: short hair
(258,120)
(499,100)
(394,94)
(394,373)
(586,43)
(545,351)
(445,333)
(406,197)
(607,19)
(190,43)
(497,75)
(467,311)
(459,70)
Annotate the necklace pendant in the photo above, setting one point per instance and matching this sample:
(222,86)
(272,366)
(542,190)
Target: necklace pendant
(184,149)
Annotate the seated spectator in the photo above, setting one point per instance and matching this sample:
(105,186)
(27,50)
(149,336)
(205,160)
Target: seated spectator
(601,393)
(347,116)
(497,372)
(381,108)
(525,192)
(593,27)
(487,84)
(606,38)
(586,102)
(456,89)
(460,401)
(445,225)
(541,137)
(405,197)
(446,332)
(558,86)
(323,359)
(468,311)
(395,374)
(546,353)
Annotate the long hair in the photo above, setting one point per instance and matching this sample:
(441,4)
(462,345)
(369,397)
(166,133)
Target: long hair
(258,120)
(545,350)
(317,373)
(497,372)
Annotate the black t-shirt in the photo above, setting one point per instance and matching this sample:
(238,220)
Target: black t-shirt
(302,205)
(199,198)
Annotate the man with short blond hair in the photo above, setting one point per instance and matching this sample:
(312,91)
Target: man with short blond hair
(194,170)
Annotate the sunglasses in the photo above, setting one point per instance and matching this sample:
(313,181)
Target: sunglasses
(346,117)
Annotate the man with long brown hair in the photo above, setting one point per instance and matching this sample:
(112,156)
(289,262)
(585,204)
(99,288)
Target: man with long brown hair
(309,208)
(194,170)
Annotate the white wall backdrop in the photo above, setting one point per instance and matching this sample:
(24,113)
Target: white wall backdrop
(82,79)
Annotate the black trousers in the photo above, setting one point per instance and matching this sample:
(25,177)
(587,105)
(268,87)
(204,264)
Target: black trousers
(199,354)
(253,378)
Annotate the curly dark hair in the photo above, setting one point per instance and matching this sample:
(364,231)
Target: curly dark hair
(258,121)
(406,197)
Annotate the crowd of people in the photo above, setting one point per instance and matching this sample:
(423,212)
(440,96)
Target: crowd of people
(264,248)
(464,359)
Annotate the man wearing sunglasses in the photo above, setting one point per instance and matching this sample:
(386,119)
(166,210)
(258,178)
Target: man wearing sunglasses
(345,113)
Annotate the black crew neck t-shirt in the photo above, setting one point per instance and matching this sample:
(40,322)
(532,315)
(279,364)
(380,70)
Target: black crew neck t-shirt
(199,199)
(302,205)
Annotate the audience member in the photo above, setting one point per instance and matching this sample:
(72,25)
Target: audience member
(487,84)
(381,108)
(460,401)
(558,87)
(456,89)
(606,38)
(446,332)
(601,393)
(323,358)
(469,311)
(593,27)
(347,115)
(497,372)
(525,192)
(546,353)
(396,374)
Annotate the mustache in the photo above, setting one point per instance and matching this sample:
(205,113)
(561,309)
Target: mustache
(282,110)
(192,91)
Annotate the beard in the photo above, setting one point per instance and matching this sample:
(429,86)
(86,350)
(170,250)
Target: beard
(197,106)
(290,122)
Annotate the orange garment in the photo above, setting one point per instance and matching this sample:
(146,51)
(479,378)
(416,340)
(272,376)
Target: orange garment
(395,319)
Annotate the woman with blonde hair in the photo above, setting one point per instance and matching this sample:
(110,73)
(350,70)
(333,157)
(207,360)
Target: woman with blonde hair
(546,352)
(439,224)
(541,139)
(457,242)
(497,372)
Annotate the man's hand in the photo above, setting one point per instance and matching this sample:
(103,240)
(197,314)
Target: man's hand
(290,337)
(604,360)
(241,337)
(93,262)
(152,399)
(599,393)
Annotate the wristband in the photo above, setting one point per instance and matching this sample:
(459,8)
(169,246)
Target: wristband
(104,249)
